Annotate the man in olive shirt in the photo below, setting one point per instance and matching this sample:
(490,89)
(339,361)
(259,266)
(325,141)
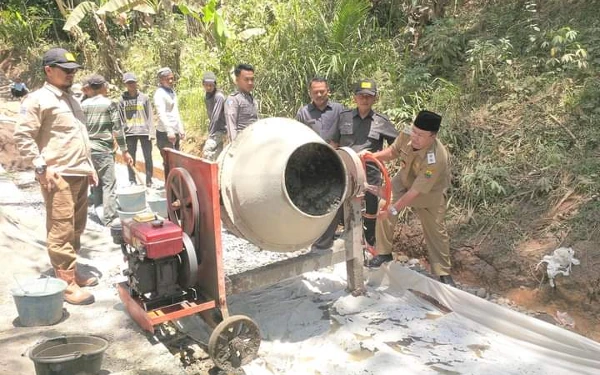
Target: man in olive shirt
(363,129)
(51,133)
(421,183)
(240,108)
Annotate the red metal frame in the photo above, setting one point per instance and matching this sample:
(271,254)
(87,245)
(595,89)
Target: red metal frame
(211,276)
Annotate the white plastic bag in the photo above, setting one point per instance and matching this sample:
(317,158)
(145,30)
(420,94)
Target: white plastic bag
(559,262)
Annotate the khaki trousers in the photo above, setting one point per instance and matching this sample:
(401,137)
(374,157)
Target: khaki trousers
(434,231)
(66,215)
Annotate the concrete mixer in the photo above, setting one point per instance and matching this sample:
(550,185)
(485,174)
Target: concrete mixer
(279,186)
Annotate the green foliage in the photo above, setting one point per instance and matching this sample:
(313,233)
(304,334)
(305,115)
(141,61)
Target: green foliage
(564,49)
(22,27)
(444,44)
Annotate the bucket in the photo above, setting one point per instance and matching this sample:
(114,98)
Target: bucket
(69,355)
(123,215)
(39,302)
(158,205)
(132,198)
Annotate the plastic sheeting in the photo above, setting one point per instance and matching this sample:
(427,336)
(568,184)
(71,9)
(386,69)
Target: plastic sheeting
(406,324)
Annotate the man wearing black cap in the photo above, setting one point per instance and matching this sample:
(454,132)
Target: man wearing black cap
(215,105)
(51,133)
(103,121)
(420,183)
(137,114)
(363,129)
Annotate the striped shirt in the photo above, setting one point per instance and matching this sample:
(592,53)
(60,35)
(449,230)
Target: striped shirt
(103,121)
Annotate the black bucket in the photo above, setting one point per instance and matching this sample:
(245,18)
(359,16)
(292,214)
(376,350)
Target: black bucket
(69,355)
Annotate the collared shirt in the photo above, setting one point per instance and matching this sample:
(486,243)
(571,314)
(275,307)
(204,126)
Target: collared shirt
(360,134)
(103,121)
(322,122)
(215,109)
(137,114)
(426,170)
(51,131)
(167,110)
(241,110)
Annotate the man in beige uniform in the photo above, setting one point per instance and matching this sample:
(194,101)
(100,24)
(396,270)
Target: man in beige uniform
(51,133)
(421,184)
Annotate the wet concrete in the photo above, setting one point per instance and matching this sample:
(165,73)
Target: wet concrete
(315,179)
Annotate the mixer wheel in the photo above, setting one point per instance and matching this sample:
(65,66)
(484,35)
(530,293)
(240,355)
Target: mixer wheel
(234,342)
(182,201)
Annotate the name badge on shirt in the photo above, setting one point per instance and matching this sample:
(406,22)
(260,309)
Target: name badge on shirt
(430,158)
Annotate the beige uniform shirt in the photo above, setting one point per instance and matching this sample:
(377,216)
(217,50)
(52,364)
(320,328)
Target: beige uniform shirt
(427,171)
(51,130)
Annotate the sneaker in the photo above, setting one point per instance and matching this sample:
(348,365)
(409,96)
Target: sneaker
(447,279)
(379,260)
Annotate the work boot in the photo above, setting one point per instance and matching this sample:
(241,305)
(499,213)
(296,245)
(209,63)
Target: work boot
(447,279)
(379,260)
(83,280)
(74,294)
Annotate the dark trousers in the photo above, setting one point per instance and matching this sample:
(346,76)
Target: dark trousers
(162,141)
(18,93)
(371,206)
(326,239)
(132,141)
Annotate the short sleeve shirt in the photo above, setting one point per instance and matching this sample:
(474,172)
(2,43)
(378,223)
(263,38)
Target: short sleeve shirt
(427,170)
(322,122)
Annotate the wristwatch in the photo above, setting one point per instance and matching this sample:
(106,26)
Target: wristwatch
(393,210)
(40,170)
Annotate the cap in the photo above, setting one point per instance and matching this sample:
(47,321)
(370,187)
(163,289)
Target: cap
(209,77)
(164,71)
(429,121)
(366,86)
(60,57)
(96,79)
(129,77)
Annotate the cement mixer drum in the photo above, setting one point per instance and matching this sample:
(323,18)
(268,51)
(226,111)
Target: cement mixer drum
(281,184)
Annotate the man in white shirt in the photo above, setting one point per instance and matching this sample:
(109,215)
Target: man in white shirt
(169,129)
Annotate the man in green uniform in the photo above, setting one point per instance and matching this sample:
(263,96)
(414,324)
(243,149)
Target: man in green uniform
(421,183)
(363,129)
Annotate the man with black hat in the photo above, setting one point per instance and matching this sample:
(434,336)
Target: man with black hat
(137,114)
(420,183)
(51,133)
(215,105)
(103,121)
(363,129)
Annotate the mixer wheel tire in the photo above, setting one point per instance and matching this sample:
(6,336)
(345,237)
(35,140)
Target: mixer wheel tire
(234,342)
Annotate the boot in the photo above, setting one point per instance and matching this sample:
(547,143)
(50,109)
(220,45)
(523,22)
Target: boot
(83,280)
(379,260)
(74,294)
(447,279)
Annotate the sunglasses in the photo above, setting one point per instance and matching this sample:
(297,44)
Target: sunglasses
(66,70)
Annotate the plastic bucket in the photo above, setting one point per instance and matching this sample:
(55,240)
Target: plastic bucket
(158,205)
(123,215)
(40,302)
(69,355)
(132,198)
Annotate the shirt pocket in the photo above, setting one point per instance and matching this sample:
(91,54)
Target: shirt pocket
(346,134)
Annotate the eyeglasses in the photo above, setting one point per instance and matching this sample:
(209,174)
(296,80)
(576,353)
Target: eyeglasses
(66,70)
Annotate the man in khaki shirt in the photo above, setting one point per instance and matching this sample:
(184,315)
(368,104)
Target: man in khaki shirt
(421,183)
(51,133)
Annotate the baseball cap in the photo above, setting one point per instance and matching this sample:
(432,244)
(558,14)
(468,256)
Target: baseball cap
(129,77)
(96,79)
(60,57)
(209,77)
(366,86)
(164,71)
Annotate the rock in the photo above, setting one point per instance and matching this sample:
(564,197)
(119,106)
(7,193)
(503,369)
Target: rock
(481,293)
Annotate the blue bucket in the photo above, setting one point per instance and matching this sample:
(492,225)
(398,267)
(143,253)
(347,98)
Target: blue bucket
(40,302)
